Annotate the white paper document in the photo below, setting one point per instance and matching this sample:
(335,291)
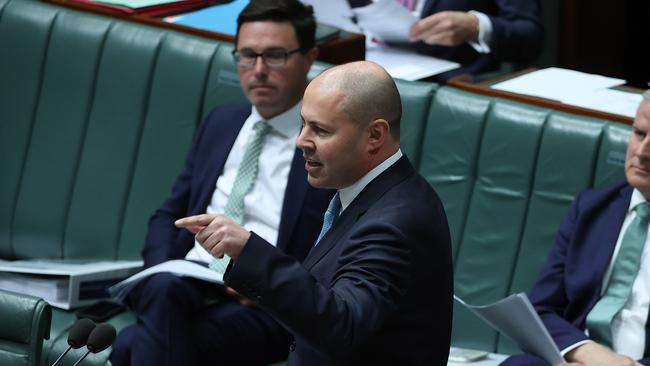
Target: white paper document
(335,13)
(515,317)
(179,267)
(608,100)
(557,84)
(387,20)
(63,283)
(408,65)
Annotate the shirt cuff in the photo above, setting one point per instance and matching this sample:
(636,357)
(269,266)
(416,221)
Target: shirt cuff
(574,346)
(484,33)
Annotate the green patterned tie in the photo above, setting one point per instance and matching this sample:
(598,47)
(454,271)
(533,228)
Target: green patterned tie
(626,267)
(244,181)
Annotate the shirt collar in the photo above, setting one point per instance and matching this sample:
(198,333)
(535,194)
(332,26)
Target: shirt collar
(286,123)
(348,194)
(637,198)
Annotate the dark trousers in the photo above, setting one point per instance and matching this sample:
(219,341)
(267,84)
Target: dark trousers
(175,326)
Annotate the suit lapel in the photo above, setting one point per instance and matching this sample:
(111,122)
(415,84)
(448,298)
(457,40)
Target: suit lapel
(294,196)
(221,145)
(607,232)
(368,196)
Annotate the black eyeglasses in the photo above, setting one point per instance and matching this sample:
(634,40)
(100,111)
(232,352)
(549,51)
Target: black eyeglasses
(273,57)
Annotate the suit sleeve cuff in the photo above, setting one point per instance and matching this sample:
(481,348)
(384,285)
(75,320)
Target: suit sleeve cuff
(573,346)
(484,33)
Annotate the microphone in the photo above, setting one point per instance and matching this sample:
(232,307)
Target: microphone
(78,336)
(99,339)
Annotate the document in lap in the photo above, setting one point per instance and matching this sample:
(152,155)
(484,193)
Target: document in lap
(179,267)
(515,317)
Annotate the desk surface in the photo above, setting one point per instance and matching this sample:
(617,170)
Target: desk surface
(464,82)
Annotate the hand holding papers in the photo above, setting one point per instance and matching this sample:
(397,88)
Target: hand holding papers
(515,317)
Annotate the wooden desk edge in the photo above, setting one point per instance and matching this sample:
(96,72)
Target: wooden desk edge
(461,82)
(335,51)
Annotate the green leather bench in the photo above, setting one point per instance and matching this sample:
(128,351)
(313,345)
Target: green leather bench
(96,115)
(506,173)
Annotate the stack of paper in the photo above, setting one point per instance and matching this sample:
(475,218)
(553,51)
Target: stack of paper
(575,88)
(62,283)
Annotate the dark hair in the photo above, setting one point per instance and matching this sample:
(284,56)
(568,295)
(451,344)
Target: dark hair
(299,15)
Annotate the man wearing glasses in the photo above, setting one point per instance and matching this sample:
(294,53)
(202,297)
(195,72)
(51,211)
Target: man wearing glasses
(243,164)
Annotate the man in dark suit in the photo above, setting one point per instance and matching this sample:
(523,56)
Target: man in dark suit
(478,34)
(376,288)
(244,162)
(594,291)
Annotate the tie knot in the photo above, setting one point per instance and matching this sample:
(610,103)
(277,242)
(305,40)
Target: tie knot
(643,210)
(261,128)
(335,205)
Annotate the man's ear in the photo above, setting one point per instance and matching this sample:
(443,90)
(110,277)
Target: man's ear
(378,132)
(312,54)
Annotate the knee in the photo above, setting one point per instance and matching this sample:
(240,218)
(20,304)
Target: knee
(166,289)
(121,349)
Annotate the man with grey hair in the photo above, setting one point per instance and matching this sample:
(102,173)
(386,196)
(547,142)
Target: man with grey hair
(593,294)
(376,287)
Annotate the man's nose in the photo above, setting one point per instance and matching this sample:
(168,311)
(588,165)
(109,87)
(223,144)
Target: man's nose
(259,65)
(302,141)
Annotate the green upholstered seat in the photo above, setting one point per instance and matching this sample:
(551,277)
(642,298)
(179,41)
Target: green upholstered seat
(25,324)
(506,173)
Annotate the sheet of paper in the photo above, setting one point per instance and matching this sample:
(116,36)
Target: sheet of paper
(515,317)
(136,4)
(387,20)
(335,13)
(608,100)
(493,359)
(179,267)
(557,84)
(408,65)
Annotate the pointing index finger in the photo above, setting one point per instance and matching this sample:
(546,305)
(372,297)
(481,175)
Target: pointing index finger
(197,220)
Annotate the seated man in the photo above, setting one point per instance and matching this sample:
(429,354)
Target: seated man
(244,163)
(594,291)
(376,287)
(479,35)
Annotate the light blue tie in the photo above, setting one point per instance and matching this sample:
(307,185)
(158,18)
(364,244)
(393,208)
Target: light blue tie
(244,181)
(332,212)
(626,267)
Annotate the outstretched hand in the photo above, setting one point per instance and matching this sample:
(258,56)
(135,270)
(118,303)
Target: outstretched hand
(217,234)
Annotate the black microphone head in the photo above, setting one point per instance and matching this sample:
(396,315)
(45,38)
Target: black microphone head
(101,337)
(79,332)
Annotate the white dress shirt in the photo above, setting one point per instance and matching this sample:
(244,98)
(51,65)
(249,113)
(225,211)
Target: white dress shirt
(628,326)
(348,194)
(263,203)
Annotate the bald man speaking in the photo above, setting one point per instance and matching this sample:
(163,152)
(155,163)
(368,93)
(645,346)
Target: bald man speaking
(376,287)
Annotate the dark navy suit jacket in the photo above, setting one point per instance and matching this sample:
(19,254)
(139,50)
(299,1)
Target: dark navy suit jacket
(571,282)
(302,211)
(376,290)
(517,34)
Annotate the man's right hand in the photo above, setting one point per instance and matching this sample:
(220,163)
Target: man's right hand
(594,354)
